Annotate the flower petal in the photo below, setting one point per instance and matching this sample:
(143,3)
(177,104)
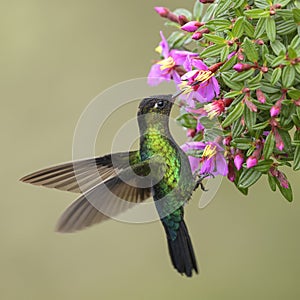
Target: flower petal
(164,45)
(156,76)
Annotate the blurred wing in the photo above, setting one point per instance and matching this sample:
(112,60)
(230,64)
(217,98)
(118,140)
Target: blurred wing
(110,198)
(82,175)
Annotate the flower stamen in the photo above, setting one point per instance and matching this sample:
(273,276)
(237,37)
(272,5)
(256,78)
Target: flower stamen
(209,152)
(167,63)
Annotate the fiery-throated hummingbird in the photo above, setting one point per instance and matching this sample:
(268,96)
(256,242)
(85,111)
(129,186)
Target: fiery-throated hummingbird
(159,169)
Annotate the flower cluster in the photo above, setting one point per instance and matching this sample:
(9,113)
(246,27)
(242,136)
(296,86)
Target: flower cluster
(238,65)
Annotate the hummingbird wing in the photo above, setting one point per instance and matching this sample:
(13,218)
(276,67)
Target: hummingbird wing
(82,175)
(109,198)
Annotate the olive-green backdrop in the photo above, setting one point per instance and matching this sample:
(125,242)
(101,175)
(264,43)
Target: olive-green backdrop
(55,56)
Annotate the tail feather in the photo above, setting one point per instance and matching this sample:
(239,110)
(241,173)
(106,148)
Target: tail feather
(181,251)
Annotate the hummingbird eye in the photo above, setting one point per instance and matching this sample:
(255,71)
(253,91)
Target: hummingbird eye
(159,104)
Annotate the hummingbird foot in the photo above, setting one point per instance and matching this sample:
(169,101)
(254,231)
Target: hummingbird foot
(199,180)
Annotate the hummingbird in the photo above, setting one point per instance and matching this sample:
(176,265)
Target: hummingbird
(160,169)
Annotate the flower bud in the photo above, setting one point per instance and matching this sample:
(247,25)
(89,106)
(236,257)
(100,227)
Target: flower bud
(275,111)
(260,96)
(238,161)
(162,11)
(231,173)
(182,19)
(240,67)
(206,1)
(197,35)
(191,26)
(227,140)
(251,162)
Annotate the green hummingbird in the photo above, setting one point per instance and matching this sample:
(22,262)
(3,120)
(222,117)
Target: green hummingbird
(159,169)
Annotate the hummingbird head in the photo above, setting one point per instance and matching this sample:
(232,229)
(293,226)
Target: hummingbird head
(161,104)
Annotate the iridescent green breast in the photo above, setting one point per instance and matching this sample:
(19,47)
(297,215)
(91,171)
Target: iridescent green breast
(154,143)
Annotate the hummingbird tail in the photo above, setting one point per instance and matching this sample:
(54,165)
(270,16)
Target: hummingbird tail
(181,251)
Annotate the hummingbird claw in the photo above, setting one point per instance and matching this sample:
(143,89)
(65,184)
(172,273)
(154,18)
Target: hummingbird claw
(199,179)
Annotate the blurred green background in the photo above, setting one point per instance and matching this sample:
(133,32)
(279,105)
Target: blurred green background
(55,57)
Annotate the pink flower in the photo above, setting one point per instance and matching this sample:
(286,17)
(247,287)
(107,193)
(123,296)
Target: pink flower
(215,108)
(200,83)
(212,160)
(166,69)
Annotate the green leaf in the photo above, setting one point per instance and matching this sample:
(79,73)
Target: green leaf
(286,27)
(296,121)
(229,64)
(280,60)
(295,43)
(174,38)
(272,182)
(285,13)
(226,76)
(197,11)
(240,76)
(215,38)
(187,120)
(271,28)
(183,11)
(296,166)
(232,94)
(261,3)
(268,88)
(255,79)
(233,115)
(276,74)
(256,13)
(296,14)
(249,28)
(294,94)
(278,47)
(213,50)
(250,117)
(222,7)
(237,128)
(243,191)
(288,76)
(250,50)
(224,53)
(298,111)
(264,165)
(259,126)
(209,12)
(292,52)
(238,3)
(238,27)
(220,24)
(241,143)
(286,193)
(282,2)
(269,145)
(260,28)
(248,177)
(207,122)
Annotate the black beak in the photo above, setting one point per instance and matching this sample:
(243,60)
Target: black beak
(174,96)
